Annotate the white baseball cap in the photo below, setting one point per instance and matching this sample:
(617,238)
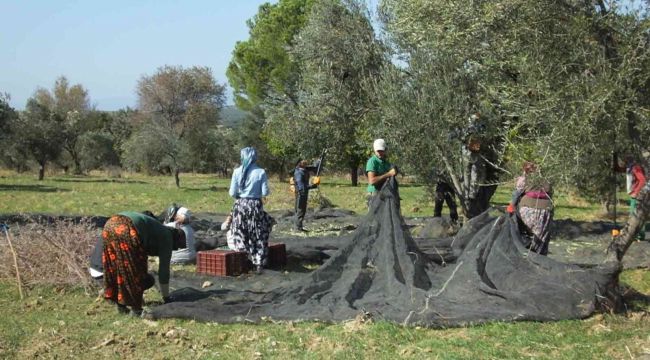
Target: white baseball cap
(379,145)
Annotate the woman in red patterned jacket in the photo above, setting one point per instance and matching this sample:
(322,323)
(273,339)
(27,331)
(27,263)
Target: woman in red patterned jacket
(534,200)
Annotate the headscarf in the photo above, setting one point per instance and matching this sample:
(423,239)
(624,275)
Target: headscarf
(248,158)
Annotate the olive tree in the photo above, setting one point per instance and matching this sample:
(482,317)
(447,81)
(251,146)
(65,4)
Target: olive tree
(39,132)
(554,83)
(339,58)
(177,106)
(15,156)
(71,103)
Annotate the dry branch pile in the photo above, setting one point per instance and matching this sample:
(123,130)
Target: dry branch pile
(49,254)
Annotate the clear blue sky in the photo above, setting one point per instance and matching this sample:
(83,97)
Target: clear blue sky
(108,45)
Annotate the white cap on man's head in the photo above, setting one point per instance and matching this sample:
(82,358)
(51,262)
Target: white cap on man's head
(379,145)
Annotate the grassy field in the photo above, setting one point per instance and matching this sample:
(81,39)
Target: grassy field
(101,195)
(65,322)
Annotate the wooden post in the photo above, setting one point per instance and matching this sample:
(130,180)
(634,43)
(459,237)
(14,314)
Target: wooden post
(13,252)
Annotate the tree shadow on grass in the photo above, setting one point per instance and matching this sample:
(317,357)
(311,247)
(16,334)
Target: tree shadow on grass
(635,299)
(34,188)
(85,180)
(211,188)
(188,294)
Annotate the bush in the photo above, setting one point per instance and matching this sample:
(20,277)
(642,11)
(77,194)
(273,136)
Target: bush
(49,254)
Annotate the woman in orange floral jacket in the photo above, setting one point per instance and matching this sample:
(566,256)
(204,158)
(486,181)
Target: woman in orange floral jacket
(129,238)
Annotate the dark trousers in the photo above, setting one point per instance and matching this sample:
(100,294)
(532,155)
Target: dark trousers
(442,197)
(301,207)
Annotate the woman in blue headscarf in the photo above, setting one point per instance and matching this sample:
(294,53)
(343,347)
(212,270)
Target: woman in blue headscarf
(251,225)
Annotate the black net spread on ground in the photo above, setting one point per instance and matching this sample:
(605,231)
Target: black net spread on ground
(379,271)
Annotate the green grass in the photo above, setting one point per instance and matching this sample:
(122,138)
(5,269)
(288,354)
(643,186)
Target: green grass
(102,195)
(99,195)
(67,323)
(64,323)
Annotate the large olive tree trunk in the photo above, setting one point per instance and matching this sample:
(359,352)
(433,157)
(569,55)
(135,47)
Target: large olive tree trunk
(41,170)
(354,175)
(621,243)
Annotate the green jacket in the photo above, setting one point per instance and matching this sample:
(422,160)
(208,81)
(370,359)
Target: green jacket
(157,241)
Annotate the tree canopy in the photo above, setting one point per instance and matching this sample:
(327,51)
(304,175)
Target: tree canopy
(554,83)
(71,104)
(261,70)
(339,57)
(178,107)
(41,134)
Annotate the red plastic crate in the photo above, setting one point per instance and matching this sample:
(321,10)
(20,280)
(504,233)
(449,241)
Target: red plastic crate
(222,262)
(277,255)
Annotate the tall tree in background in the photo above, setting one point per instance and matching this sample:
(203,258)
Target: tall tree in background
(71,104)
(40,133)
(7,116)
(339,58)
(123,123)
(261,70)
(263,74)
(178,105)
(250,133)
(13,155)
(99,148)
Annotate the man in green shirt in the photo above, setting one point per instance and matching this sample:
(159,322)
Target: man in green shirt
(378,168)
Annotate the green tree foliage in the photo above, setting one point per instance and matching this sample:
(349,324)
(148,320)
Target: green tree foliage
(14,156)
(263,74)
(99,148)
(261,70)
(7,115)
(604,105)
(554,82)
(120,127)
(177,107)
(249,134)
(38,132)
(72,105)
(339,58)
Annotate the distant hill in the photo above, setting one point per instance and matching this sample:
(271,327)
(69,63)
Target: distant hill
(231,116)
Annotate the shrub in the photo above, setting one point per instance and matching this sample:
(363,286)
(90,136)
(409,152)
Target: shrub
(49,254)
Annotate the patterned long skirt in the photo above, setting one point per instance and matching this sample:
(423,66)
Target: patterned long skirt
(250,229)
(537,224)
(125,263)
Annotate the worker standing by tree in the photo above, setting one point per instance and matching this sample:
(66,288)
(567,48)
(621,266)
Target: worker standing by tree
(302,187)
(444,193)
(635,181)
(378,168)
